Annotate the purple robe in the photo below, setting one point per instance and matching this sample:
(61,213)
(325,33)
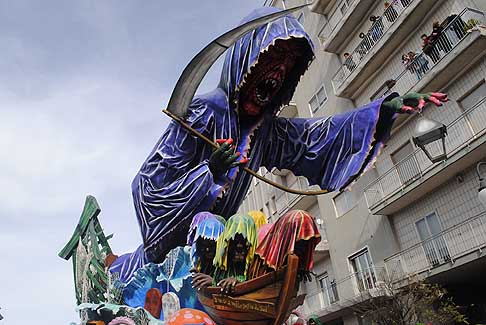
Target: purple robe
(175,182)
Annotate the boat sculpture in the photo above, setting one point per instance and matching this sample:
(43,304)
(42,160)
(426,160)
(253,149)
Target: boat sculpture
(265,300)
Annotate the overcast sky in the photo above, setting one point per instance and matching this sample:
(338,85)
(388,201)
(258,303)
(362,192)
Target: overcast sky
(82,85)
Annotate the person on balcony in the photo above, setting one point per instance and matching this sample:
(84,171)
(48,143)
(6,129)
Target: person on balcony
(390,13)
(439,38)
(365,45)
(421,63)
(429,48)
(416,63)
(349,62)
(458,25)
(376,30)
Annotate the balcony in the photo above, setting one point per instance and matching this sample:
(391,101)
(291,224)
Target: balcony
(323,7)
(341,22)
(462,43)
(397,23)
(337,300)
(454,246)
(285,201)
(414,176)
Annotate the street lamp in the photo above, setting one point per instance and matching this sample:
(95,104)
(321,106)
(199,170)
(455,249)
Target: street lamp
(427,132)
(482,184)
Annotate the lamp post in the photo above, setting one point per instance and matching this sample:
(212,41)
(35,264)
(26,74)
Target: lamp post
(482,183)
(428,131)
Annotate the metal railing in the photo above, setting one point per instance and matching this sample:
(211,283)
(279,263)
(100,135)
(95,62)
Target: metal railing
(349,290)
(369,40)
(465,128)
(420,62)
(446,246)
(284,200)
(335,18)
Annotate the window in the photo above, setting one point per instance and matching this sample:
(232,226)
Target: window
(406,163)
(363,270)
(318,100)
(435,246)
(329,288)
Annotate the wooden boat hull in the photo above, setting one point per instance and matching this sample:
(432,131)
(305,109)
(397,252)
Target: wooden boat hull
(266,300)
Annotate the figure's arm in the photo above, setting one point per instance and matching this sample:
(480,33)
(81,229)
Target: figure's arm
(179,178)
(333,151)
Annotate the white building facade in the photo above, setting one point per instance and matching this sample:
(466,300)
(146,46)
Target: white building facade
(406,215)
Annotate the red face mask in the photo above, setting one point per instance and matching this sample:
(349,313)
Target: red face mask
(267,77)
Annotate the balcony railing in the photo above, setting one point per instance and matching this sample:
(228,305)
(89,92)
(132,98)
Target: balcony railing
(370,39)
(335,18)
(467,127)
(446,246)
(454,32)
(347,291)
(284,200)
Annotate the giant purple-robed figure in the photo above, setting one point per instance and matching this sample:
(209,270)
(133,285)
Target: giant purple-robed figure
(175,182)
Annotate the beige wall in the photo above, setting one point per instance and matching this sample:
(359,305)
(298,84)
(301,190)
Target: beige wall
(358,228)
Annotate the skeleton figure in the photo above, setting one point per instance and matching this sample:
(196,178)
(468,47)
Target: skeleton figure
(183,176)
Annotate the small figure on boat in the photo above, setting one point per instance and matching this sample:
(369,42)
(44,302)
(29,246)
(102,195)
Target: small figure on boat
(234,252)
(294,233)
(198,218)
(259,218)
(204,244)
(204,251)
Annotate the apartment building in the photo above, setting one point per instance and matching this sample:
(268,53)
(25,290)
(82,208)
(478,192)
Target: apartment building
(407,215)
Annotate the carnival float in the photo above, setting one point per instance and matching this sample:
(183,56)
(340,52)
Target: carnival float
(202,262)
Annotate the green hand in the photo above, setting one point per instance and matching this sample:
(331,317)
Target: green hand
(224,158)
(414,102)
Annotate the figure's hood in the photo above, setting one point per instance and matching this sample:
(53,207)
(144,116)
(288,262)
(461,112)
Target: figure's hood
(196,220)
(238,224)
(245,53)
(209,228)
(293,226)
(259,217)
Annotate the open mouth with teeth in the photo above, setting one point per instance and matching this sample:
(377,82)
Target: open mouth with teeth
(274,77)
(265,89)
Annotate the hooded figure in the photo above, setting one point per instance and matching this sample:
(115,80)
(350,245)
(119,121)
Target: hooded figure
(259,217)
(239,226)
(294,233)
(196,221)
(204,244)
(176,181)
